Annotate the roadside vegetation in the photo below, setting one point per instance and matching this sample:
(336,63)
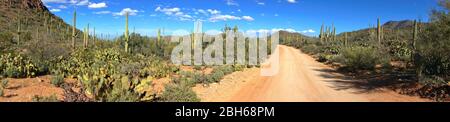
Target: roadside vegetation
(410,49)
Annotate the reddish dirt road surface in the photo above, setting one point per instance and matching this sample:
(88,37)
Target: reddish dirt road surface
(300,79)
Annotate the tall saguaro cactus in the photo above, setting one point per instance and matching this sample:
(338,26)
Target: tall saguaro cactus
(93,38)
(334,34)
(158,40)
(84,38)
(18,30)
(74,28)
(126,32)
(379,32)
(87,37)
(345,39)
(415,32)
(321,33)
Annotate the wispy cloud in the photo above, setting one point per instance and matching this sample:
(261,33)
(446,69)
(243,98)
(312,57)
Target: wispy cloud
(213,11)
(175,12)
(260,3)
(231,3)
(102,12)
(130,12)
(62,6)
(219,17)
(55,10)
(308,31)
(292,1)
(223,18)
(247,18)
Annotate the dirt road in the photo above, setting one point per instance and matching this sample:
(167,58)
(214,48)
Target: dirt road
(300,79)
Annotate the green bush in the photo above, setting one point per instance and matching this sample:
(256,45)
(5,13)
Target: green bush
(361,58)
(3,85)
(17,66)
(51,98)
(57,80)
(324,57)
(432,58)
(311,49)
(179,93)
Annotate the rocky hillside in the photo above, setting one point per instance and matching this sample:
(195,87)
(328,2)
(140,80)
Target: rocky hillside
(28,27)
(398,24)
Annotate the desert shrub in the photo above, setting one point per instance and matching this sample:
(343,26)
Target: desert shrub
(361,58)
(197,67)
(322,57)
(190,78)
(179,93)
(433,46)
(57,80)
(311,49)
(51,98)
(6,41)
(219,72)
(3,85)
(17,66)
(239,67)
(400,50)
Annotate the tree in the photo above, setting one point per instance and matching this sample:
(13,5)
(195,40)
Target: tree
(432,56)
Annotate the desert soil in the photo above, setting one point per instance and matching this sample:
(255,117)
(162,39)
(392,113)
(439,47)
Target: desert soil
(300,79)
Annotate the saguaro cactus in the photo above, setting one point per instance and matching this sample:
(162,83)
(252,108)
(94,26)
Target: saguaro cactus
(18,30)
(87,37)
(74,28)
(93,38)
(379,32)
(84,38)
(321,33)
(158,40)
(345,39)
(126,32)
(415,32)
(334,34)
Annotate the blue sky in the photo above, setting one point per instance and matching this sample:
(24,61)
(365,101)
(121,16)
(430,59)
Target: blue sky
(304,16)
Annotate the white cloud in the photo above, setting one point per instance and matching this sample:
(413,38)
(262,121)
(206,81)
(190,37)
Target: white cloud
(202,11)
(55,10)
(247,18)
(232,3)
(176,12)
(211,11)
(82,3)
(102,12)
(130,12)
(292,1)
(223,18)
(62,6)
(308,31)
(260,3)
(168,11)
(220,17)
(97,5)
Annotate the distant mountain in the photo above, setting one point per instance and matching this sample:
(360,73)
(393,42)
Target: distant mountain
(398,24)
